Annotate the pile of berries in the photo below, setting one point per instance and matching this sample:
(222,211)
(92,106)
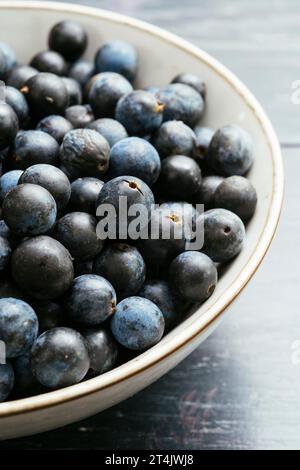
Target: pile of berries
(75,135)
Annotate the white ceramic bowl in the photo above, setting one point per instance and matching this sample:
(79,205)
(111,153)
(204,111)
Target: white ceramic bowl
(25,26)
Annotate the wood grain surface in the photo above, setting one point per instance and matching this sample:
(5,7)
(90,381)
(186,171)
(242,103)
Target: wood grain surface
(241,388)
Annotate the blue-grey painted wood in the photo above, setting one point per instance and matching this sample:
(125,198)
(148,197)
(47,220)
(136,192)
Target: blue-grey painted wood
(241,388)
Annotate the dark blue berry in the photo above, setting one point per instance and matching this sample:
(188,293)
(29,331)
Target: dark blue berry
(81,71)
(170,238)
(74,91)
(42,267)
(103,350)
(137,157)
(138,323)
(84,152)
(119,57)
(123,266)
(186,211)
(181,103)
(174,138)
(9,125)
(69,39)
(32,147)
(194,276)
(50,62)
(18,326)
(7,380)
(90,300)
(161,293)
(84,194)
(55,125)
(193,81)
(77,232)
(51,178)
(140,112)
(203,139)
(46,94)
(112,130)
(104,91)
(136,192)
(231,151)
(16,100)
(79,115)
(59,358)
(238,195)
(179,176)
(29,209)
(8,181)
(207,190)
(224,234)
(19,76)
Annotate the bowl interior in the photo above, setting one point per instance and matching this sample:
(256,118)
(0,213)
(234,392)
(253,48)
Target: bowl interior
(25,26)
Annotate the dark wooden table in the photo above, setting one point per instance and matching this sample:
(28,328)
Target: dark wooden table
(241,388)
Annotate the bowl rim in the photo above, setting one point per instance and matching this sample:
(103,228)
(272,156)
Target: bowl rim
(188,334)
